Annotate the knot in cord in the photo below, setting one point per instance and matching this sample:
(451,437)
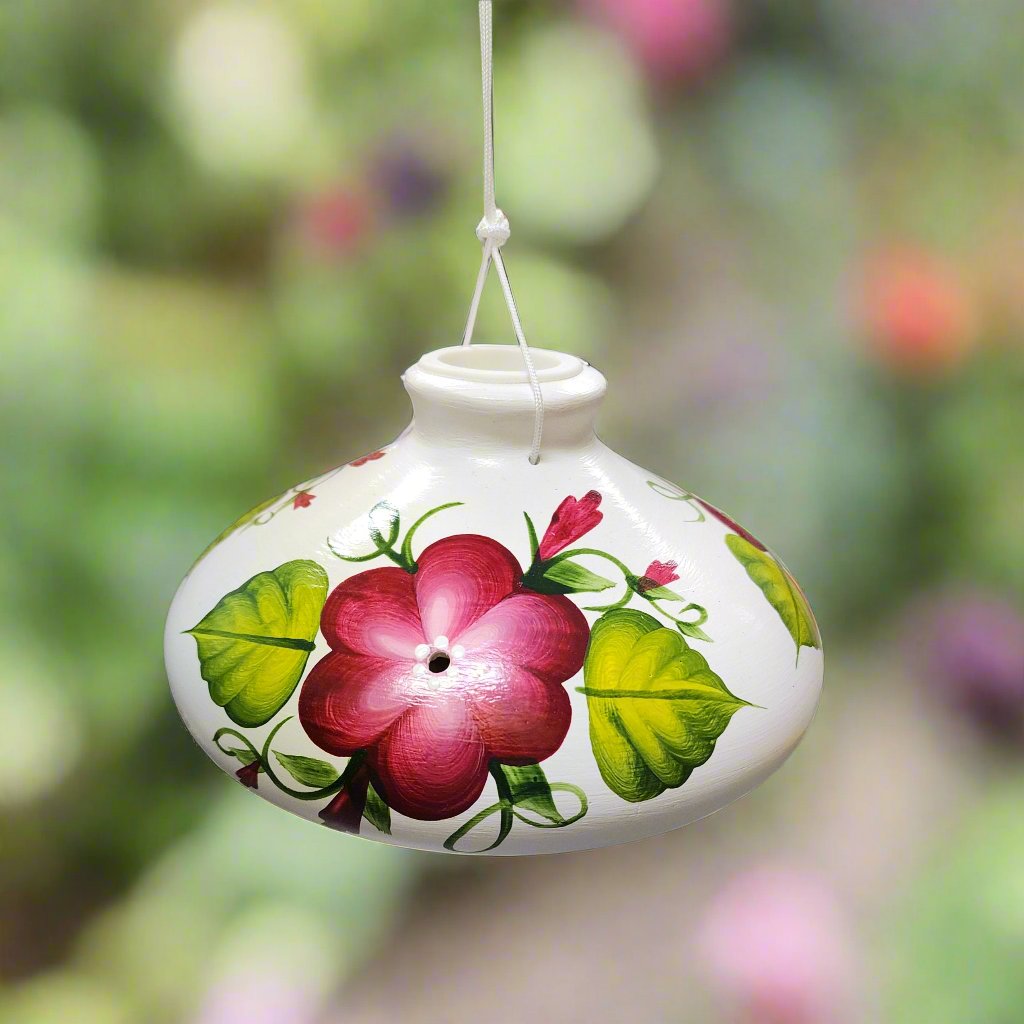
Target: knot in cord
(497,231)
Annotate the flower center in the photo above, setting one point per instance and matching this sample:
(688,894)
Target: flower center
(439,661)
(438,656)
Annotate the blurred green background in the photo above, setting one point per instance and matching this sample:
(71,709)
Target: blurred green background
(790,232)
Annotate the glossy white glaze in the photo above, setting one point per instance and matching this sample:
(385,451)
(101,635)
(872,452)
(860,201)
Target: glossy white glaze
(468,441)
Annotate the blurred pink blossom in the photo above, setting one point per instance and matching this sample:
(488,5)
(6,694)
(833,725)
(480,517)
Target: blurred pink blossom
(777,945)
(337,220)
(259,996)
(676,40)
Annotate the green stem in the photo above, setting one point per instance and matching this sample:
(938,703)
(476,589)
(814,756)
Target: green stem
(507,806)
(559,787)
(701,619)
(264,759)
(409,561)
(504,805)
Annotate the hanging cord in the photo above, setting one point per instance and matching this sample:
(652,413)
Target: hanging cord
(494,231)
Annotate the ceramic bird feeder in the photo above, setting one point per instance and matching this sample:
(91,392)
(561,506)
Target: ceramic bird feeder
(444,646)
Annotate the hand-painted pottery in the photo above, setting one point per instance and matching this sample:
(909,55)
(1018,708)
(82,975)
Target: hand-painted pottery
(443,646)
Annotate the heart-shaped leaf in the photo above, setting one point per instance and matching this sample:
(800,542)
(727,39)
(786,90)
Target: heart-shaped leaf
(254,644)
(781,590)
(656,708)
(308,771)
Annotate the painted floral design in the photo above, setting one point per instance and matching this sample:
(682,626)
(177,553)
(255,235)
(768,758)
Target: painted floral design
(364,459)
(298,497)
(438,673)
(763,567)
(731,524)
(447,671)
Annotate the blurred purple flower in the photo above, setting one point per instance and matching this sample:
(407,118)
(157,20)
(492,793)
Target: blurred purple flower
(777,945)
(257,997)
(969,648)
(408,183)
(675,40)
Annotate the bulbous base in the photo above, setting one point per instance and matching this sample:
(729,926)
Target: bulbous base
(442,646)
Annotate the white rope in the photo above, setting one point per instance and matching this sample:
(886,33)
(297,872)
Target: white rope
(494,231)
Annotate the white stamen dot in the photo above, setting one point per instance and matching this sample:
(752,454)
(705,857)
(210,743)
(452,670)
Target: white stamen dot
(422,652)
(458,651)
(441,642)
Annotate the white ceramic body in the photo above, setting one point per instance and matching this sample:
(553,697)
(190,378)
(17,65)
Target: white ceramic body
(468,442)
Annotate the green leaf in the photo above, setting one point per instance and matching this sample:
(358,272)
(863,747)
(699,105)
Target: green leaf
(532,531)
(530,790)
(308,771)
(781,590)
(661,594)
(572,578)
(245,756)
(376,812)
(691,630)
(656,708)
(253,646)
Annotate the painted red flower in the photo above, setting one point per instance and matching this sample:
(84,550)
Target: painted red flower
(731,523)
(435,674)
(658,574)
(303,499)
(572,519)
(248,774)
(364,459)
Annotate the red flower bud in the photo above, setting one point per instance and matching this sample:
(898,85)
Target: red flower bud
(658,574)
(345,812)
(303,499)
(572,519)
(248,774)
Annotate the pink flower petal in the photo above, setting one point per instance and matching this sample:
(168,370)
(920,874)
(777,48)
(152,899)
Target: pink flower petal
(349,700)
(545,633)
(432,764)
(459,578)
(374,613)
(522,718)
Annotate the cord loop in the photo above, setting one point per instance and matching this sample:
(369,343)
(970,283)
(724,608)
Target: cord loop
(494,231)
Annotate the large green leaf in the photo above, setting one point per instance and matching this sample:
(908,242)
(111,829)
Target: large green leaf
(780,589)
(254,644)
(656,708)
